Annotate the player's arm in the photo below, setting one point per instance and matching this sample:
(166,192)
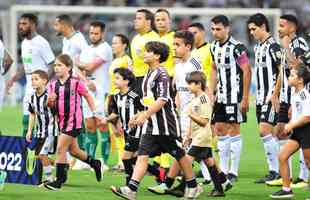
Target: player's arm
(113,113)
(90,67)
(301,121)
(242,59)
(213,83)
(198,119)
(18,75)
(7,62)
(31,123)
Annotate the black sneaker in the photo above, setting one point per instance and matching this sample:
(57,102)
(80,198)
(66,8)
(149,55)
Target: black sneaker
(215,193)
(206,182)
(55,185)
(232,178)
(177,191)
(227,186)
(281,194)
(270,177)
(96,165)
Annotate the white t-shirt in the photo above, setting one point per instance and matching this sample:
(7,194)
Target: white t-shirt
(74,45)
(36,54)
(2,52)
(300,103)
(181,70)
(101,75)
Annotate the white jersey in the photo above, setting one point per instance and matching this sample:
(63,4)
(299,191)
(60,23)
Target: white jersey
(74,45)
(101,75)
(181,70)
(300,102)
(36,54)
(2,88)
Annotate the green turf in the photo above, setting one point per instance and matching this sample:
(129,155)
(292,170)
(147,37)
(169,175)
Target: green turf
(83,186)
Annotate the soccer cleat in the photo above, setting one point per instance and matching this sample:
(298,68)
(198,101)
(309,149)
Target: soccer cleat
(299,183)
(124,192)
(281,194)
(159,189)
(215,193)
(206,182)
(177,191)
(271,176)
(227,186)
(192,193)
(97,167)
(276,182)
(232,178)
(55,185)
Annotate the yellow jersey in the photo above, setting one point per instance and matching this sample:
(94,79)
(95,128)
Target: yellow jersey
(169,63)
(121,62)
(203,55)
(137,52)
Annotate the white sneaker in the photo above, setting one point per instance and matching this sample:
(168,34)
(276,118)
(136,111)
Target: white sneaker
(104,167)
(124,192)
(79,165)
(193,193)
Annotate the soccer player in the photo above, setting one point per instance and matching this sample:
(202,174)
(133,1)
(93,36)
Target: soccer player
(124,105)
(43,120)
(36,54)
(143,25)
(267,69)
(202,53)
(231,76)
(160,126)
(5,64)
(202,48)
(72,44)
(64,95)
(95,60)
(120,46)
(298,125)
(294,47)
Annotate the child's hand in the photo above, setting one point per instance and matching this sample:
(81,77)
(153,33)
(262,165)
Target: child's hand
(51,100)
(91,85)
(186,141)
(28,136)
(288,128)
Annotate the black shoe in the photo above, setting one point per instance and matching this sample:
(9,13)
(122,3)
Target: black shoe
(177,191)
(215,193)
(55,185)
(270,177)
(232,178)
(227,186)
(206,182)
(281,194)
(65,177)
(96,165)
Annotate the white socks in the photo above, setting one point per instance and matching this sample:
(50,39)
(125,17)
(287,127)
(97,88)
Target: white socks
(223,146)
(205,171)
(271,151)
(303,169)
(235,153)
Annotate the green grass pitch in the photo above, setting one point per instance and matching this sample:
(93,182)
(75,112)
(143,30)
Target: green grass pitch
(83,186)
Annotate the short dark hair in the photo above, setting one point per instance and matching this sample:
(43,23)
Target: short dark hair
(291,18)
(98,24)
(31,17)
(124,39)
(221,19)
(306,58)
(148,15)
(197,77)
(259,19)
(42,74)
(163,10)
(303,73)
(66,19)
(186,36)
(127,74)
(197,25)
(158,48)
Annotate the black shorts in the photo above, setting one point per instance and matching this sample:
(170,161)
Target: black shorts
(265,113)
(302,136)
(228,113)
(45,146)
(283,113)
(131,143)
(73,133)
(200,153)
(154,145)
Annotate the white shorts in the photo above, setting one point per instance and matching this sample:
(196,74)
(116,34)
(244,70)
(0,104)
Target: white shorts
(100,103)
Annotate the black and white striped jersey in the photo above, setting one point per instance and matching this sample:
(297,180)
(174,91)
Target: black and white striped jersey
(164,122)
(45,119)
(126,106)
(298,47)
(226,58)
(267,61)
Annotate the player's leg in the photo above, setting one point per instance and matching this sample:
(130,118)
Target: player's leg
(235,151)
(43,152)
(91,136)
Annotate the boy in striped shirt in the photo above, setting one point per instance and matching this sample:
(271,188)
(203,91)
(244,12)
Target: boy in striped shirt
(43,118)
